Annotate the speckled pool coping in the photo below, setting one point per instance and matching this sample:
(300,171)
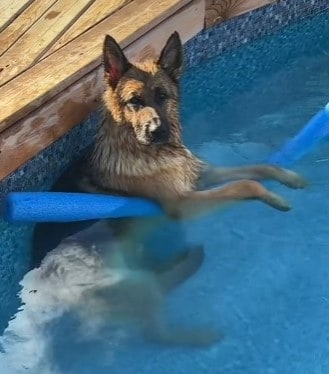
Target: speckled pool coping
(36,174)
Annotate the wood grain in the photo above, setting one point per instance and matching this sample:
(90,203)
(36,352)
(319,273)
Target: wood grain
(42,127)
(99,10)
(43,34)
(11,9)
(52,75)
(221,10)
(188,22)
(23,22)
(30,136)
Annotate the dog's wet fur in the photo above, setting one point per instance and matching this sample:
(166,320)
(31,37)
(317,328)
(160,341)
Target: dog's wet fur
(139,152)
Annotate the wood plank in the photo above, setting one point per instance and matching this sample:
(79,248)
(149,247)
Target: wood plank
(41,36)
(65,66)
(11,9)
(188,22)
(244,6)
(30,136)
(42,127)
(99,10)
(23,22)
(221,10)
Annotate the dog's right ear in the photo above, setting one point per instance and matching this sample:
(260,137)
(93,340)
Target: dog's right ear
(115,61)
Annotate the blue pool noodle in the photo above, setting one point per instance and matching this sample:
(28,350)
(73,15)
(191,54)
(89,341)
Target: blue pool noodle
(66,207)
(315,131)
(69,207)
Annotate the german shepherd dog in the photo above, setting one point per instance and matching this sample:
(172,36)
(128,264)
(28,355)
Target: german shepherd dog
(103,272)
(140,152)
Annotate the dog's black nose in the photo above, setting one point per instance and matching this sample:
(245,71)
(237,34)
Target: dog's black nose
(160,134)
(160,131)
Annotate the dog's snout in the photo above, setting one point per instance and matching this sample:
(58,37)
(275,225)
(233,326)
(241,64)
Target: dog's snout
(160,134)
(154,124)
(159,131)
(155,130)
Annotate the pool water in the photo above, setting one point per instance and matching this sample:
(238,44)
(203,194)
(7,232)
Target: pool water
(264,283)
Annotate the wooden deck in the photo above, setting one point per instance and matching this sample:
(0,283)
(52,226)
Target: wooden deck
(50,56)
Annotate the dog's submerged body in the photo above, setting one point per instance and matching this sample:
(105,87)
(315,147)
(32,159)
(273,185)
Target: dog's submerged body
(104,273)
(95,276)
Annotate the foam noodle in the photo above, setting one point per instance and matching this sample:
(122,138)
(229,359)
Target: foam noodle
(315,131)
(66,207)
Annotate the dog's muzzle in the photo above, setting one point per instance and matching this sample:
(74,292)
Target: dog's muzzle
(157,131)
(151,129)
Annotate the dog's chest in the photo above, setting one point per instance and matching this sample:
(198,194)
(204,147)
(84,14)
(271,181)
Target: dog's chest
(165,176)
(166,183)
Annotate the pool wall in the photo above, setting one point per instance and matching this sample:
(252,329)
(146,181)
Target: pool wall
(225,38)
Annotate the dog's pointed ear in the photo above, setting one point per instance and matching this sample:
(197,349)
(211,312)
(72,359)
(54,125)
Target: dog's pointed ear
(171,57)
(115,61)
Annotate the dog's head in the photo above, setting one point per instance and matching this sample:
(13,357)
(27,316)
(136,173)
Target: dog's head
(144,96)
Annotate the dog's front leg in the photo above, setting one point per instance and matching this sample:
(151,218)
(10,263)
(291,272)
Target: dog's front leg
(200,202)
(211,176)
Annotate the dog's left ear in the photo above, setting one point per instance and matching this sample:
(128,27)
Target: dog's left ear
(171,57)
(115,61)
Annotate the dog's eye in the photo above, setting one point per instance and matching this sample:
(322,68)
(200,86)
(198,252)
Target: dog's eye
(136,102)
(160,96)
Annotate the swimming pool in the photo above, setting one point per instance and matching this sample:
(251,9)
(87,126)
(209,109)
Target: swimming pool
(263,283)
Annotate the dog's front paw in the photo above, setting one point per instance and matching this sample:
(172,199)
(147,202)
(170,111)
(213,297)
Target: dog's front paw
(276,201)
(291,179)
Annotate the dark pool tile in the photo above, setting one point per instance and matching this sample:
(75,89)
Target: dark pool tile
(249,26)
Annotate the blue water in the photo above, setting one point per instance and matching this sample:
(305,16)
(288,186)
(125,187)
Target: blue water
(264,283)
